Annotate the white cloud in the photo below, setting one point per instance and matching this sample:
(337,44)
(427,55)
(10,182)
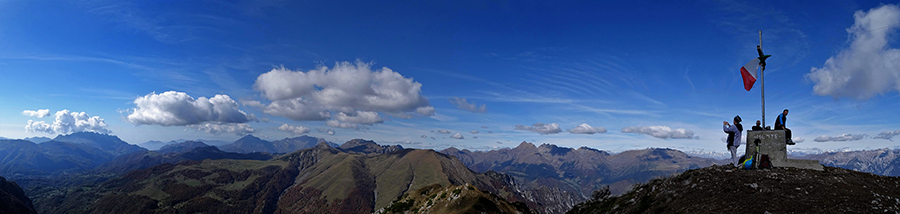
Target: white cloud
(457,136)
(297,109)
(843,137)
(798,139)
(541,128)
(662,132)
(462,104)
(424,136)
(68,122)
(584,128)
(425,111)
(474,132)
(253,103)
(887,135)
(345,87)
(359,117)
(39,113)
(443,131)
(239,129)
(339,124)
(868,67)
(297,130)
(38,126)
(173,108)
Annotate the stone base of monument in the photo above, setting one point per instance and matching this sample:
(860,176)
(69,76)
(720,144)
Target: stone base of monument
(772,143)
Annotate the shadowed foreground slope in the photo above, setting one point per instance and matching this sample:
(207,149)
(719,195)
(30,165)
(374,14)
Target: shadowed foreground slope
(716,189)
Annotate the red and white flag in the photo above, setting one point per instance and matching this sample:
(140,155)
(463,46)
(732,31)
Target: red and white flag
(748,72)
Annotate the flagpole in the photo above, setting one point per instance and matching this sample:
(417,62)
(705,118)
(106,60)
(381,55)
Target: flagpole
(762,78)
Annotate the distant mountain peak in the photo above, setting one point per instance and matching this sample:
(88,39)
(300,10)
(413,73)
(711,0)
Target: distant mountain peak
(526,145)
(250,137)
(367,146)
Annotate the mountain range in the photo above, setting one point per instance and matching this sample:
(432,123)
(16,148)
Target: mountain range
(880,161)
(174,153)
(64,154)
(359,176)
(322,179)
(250,143)
(571,175)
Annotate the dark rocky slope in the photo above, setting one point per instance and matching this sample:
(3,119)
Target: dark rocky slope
(720,189)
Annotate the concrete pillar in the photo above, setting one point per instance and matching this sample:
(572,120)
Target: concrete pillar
(773,143)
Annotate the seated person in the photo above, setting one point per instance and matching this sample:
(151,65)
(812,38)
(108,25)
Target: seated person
(757,127)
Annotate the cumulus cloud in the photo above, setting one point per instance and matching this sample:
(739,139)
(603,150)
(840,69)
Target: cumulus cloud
(39,113)
(474,132)
(843,137)
(359,117)
(443,131)
(541,128)
(339,124)
(662,132)
(297,109)
(868,66)
(253,103)
(38,126)
(174,108)
(425,111)
(887,135)
(297,130)
(462,104)
(798,139)
(239,129)
(584,128)
(346,87)
(68,122)
(457,136)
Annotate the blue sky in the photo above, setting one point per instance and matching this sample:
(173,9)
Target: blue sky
(418,73)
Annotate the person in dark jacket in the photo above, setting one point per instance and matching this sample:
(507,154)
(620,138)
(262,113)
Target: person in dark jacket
(780,125)
(757,127)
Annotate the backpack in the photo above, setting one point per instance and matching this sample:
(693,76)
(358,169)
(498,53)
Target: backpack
(764,162)
(748,164)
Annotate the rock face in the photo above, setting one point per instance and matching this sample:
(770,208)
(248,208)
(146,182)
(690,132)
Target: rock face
(557,178)
(720,189)
(13,199)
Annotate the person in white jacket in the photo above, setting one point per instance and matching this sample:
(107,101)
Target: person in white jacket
(734,138)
